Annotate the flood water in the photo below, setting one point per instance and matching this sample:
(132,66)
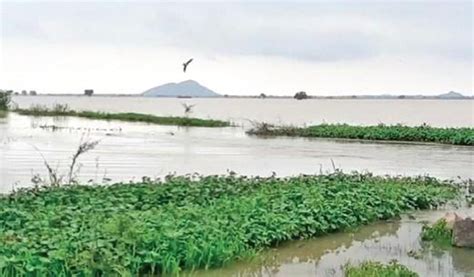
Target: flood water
(382,242)
(128,151)
(442,113)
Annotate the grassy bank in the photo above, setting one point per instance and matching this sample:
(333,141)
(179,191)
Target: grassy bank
(164,227)
(60,110)
(423,133)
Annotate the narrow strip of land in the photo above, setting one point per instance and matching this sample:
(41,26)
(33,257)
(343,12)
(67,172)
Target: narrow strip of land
(157,227)
(132,117)
(423,133)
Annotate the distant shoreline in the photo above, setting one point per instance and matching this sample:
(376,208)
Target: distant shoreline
(344,97)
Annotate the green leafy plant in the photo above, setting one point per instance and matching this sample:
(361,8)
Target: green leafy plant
(438,232)
(423,133)
(376,269)
(63,110)
(187,222)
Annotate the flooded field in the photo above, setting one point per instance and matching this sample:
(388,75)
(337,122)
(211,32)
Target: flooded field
(132,150)
(383,241)
(128,151)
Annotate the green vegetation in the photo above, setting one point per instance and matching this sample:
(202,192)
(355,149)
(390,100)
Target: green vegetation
(190,222)
(423,133)
(63,110)
(376,269)
(5,100)
(438,232)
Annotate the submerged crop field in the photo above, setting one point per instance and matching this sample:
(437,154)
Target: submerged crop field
(423,133)
(156,227)
(61,110)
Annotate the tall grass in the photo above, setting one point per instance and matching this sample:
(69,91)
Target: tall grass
(423,133)
(156,227)
(63,110)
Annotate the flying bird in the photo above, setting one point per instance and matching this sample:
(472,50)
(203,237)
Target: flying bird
(187,108)
(185,65)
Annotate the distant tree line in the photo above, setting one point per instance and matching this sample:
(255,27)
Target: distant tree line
(23,92)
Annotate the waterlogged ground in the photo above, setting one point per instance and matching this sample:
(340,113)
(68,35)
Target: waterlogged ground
(131,150)
(383,241)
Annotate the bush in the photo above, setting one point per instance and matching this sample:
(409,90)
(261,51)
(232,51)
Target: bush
(5,100)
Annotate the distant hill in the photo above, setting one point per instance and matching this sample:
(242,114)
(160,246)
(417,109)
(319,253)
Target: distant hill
(451,95)
(187,88)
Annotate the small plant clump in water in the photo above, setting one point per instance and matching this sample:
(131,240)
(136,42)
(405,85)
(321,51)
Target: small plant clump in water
(376,269)
(57,179)
(438,232)
(423,133)
(187,222)
(63,110)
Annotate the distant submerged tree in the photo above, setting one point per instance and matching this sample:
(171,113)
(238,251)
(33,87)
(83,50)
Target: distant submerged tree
(301,95)
(262,95)
(88,92)
(32,92)
(23,92)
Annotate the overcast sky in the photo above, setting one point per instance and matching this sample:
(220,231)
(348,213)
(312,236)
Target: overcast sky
(325,48)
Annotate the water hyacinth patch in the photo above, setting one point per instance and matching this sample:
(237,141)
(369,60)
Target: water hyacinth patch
(376,269)
(156,227)
(423,133)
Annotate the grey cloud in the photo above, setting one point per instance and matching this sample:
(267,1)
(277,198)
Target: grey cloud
(308,31)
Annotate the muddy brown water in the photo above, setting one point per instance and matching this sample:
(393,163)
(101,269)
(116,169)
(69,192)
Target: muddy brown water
(441,113)
(128,151)
(382,241)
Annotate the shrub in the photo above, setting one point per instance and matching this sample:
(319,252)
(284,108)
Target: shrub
(5,100)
